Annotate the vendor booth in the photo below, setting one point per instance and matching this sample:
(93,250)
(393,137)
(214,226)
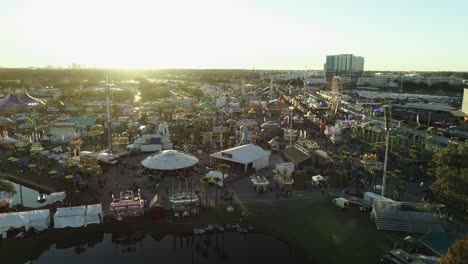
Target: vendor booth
(249,156)
(70,217)
(78,216)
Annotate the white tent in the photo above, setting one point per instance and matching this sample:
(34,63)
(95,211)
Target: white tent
(38,219)
(55,197)
(318,178)
(322,154)
(245,154)
(70,217)
(218,174)
(169,160)
(94,214)
(12,220)
(285,166)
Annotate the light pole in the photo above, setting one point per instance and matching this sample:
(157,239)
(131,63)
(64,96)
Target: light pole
(429,120)
(387,137)
(290,125)
(109,119)
(21,188)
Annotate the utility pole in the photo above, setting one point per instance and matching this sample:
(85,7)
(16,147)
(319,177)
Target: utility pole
(429,120)
(290,125)
(109,120)
(387,137)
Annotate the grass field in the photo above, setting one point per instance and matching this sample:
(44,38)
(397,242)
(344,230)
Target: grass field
(319,233)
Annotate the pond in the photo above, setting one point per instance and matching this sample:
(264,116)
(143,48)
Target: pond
(227,247)
(29,196)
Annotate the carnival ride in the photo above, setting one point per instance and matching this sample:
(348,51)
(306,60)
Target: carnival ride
(185,204)
(335,95)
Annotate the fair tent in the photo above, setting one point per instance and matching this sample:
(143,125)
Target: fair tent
(169,160)
(12,220)
(322,154)
(245,154)
(55,197)
(219,175)
(94,214)
(38,219)
(318,178)
(70,217)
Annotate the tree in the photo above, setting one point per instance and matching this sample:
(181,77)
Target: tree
(457,253)
(215,181)
(6,187)
(413,155)
(205,180)
(450,168)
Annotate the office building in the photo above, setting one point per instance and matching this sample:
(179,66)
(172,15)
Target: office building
(344,65)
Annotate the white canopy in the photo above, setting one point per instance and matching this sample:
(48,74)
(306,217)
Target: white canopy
(12,220)
(169,160)
(318,178)
(285,166)
(269,124)
(70,217)
(94,214)
(55,197)
(218,174)
(322,154)
(78,216)
(38,219)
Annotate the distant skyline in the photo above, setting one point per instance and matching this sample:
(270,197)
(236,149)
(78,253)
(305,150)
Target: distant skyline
(397,35)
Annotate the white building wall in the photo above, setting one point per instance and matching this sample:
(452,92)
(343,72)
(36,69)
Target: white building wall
(465,101)
(389,80)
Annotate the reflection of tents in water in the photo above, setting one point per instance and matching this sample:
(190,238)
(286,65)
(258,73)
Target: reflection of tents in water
(158,237)
(127,238)
(89,239)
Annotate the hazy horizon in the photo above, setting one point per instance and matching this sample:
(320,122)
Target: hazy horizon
(268,35)
(51,67)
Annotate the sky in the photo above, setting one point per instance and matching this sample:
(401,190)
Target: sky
(408,35)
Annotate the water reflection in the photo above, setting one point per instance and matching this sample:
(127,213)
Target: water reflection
(150,248)
(29,196)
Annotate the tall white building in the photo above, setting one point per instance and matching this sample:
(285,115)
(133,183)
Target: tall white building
(344,65)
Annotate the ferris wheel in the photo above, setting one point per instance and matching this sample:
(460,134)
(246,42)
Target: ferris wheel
(335,94)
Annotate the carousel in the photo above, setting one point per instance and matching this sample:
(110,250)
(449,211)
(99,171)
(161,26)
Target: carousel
(127,205)
(181,165)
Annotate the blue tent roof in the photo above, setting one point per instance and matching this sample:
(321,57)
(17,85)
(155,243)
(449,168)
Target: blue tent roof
(439,242)
(86,121)
(20,100)
(11,99)
(206,105)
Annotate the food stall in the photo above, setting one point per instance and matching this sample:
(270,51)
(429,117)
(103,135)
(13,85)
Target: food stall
(127,205)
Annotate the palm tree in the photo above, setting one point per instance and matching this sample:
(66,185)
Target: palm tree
(205,180)
(215,181)
(413,155)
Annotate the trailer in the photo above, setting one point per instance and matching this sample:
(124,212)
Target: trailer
(370,198)
(341,203)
